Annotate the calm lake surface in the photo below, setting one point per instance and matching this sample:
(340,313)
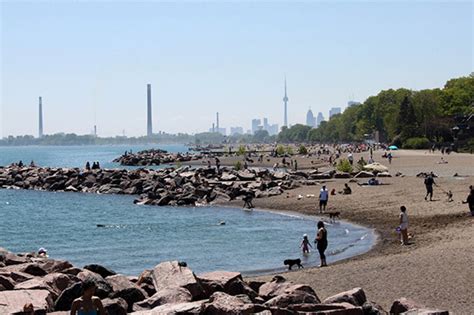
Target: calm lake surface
(137,237)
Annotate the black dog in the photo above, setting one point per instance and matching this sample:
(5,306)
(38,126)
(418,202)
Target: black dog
(292,262)
(334,215)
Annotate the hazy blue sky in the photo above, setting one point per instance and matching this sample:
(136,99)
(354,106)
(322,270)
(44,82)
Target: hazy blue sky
(91,60)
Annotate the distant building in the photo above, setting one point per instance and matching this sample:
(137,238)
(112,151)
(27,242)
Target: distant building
(272,129)
(310,119)
(256,125)
(149,126)
(352,103)
(334,111)
(236,131)
(319,119)
(265,124)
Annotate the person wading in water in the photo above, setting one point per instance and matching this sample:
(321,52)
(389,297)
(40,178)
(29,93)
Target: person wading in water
(322,242)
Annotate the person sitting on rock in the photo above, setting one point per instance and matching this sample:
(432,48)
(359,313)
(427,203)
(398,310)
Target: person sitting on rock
(20,164)
(88,166)
(87,304)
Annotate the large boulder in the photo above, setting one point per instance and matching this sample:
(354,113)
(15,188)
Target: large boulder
(311,307)
(170,274)
(425,311)
(165,296)
(13,259)
(246,175)
(101,270)
(65,299)
(223,303)
(218,280)
(103,288)
(6,282)
(402,305)
(293,297)
(52,265)
(13,301)
(54,283)
(34,269)
(16,276)
(279,286)
(130,295)
(355,297)
(364,174)
(175,308)
(116,306)
(372,308)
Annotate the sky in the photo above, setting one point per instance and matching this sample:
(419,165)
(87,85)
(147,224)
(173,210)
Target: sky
(91,60)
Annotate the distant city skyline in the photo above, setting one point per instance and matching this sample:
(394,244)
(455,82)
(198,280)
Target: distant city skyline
(90,61)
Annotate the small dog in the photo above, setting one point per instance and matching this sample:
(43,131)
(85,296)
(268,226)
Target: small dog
(334,215)
(292,262)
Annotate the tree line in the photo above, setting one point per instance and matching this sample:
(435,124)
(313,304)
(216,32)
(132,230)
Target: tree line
(402,117)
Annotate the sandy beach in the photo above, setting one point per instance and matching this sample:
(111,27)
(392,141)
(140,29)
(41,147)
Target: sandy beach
(435,270)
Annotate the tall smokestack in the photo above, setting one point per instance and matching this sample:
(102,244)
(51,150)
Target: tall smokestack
(217,121)
(149,126)
(40,118)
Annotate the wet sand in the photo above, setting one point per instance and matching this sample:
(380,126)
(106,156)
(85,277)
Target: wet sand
(435,270)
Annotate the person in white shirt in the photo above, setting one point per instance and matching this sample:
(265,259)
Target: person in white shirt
(404,225)
(323,199)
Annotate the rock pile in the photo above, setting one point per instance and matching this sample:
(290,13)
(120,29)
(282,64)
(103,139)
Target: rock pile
(170,186)
(169,288)
(155,157)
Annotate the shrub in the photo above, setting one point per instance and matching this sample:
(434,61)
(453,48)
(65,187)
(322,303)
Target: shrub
(302,150)
(238,166)
(344,166)
(241,150)
(289,150)
(280,150)
(416,143)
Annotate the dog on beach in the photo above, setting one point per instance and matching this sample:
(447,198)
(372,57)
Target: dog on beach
(334,215)
(291,262)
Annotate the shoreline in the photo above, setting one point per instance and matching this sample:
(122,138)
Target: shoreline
(274,271)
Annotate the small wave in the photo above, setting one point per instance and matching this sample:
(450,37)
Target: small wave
(341,250)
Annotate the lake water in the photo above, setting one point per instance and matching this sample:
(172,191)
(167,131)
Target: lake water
(76,156)
(139,237)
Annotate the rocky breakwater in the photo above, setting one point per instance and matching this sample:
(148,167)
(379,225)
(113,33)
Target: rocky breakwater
(170,186)
(171,288)
(155,157)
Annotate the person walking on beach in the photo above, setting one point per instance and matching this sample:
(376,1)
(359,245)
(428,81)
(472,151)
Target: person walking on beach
(305,244)
(470,200)
(87,304)
(218,164)
(429,182)
(323,199)
(403,225)
(322,242)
